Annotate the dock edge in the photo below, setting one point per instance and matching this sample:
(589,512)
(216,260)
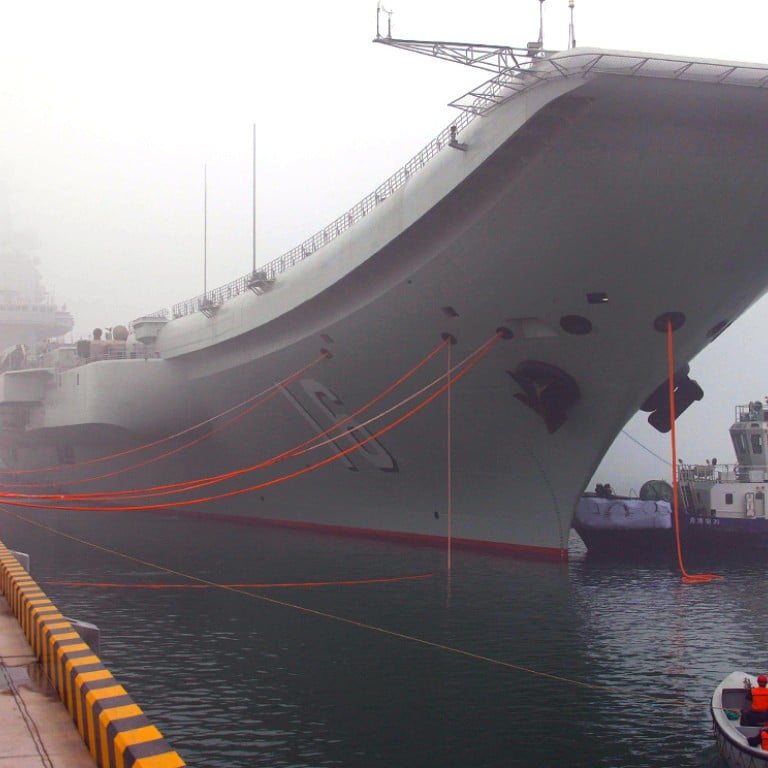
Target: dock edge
(114,728)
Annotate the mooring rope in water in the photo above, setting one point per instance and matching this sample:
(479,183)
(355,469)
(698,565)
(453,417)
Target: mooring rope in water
(618,691)
(688,578)
(480,354)
(247,404)
(254,585)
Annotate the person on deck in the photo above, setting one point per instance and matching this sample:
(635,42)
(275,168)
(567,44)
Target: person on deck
(760,740)
(757,714)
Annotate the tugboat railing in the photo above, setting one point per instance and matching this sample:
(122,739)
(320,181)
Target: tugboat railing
(722,473)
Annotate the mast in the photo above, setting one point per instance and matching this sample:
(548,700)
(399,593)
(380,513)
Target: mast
(571,33)
(205,229)
(541,25)
(254,197)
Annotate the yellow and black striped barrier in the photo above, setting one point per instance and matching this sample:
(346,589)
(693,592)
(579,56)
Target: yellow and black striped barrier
(114,729)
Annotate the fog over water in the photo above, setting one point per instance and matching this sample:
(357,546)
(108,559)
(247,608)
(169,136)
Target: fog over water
(110,114)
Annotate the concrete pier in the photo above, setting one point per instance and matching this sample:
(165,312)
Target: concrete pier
(37,730)
(112,727)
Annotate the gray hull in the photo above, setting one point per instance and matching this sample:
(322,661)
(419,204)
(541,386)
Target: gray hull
(649,191)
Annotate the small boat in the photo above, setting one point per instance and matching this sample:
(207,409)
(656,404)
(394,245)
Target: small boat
(722,507)
(733,739)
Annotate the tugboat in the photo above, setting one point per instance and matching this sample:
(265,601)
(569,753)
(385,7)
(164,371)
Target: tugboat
(722,506)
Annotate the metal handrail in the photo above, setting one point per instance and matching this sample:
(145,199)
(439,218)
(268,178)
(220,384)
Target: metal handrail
(305,249)
(500,89)
(718,473)
(518,79)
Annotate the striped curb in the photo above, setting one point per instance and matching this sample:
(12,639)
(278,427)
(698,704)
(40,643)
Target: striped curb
(113,727)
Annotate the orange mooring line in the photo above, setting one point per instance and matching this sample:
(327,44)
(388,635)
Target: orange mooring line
(482,351)
(688,578)
(260,398)
(169,489)
(253,585)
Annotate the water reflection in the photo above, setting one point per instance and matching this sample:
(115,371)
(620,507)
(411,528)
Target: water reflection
(584,664)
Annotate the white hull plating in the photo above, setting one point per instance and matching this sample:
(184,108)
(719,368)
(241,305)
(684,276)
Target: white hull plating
(651,191)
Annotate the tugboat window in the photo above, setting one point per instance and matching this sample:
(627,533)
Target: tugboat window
(757,443)
(729,498)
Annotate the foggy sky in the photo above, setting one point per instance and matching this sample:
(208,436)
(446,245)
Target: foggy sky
(110,112)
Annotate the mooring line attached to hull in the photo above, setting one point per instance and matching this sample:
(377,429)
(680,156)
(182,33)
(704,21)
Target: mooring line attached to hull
(13,500)
(266,394)
(321,440)
(188,485)
(687,578)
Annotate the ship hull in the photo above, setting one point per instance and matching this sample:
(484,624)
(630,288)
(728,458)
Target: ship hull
(578,215)
(716,538)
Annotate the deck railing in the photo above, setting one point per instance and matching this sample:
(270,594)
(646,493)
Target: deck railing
(722,473)
(508,84)
(329,233)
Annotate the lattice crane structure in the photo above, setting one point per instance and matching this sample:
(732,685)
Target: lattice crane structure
(513,68)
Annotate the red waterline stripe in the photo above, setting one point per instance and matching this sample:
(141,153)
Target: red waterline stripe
(526,551)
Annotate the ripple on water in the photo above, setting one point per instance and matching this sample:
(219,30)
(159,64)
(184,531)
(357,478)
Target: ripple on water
(237,681)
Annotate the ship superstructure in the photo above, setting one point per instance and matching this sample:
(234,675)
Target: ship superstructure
(451,358)
(27,314)
(715,491)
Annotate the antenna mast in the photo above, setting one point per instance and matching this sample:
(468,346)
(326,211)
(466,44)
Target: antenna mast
(541,24)
(254,197)
(205,228)
(571,33)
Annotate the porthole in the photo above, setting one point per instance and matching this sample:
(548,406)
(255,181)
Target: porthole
(576,324)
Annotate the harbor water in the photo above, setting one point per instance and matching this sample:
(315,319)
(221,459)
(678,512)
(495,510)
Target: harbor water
(335,651)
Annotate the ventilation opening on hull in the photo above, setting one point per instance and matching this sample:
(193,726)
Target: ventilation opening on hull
(576,325)
(530,328)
